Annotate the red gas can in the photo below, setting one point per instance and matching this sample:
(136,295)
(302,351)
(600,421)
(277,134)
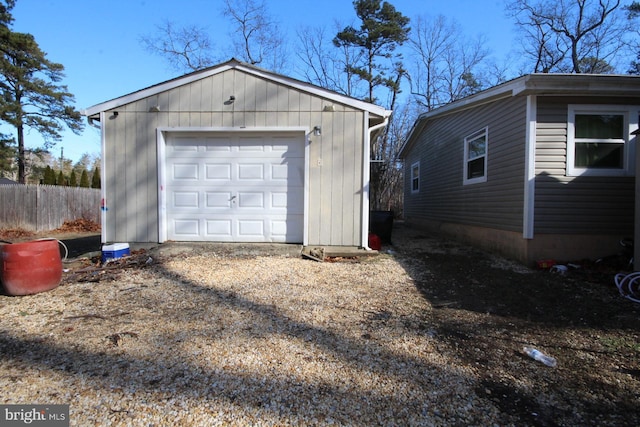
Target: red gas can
(30,267)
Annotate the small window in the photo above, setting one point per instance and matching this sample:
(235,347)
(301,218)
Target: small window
(415,177)
(475,157)
(598,140)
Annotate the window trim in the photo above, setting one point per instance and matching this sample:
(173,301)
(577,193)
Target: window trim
(630,117)
(482,132)
(415,178)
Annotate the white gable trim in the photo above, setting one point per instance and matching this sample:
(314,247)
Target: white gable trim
(150,91)
(190,78)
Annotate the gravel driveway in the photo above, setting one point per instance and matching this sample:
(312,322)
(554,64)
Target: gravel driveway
(214,336)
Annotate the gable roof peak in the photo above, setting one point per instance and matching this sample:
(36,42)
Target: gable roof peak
(236,64)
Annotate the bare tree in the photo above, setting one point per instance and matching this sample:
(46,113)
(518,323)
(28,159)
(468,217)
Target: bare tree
(550,51)
(446,63)
(256,37)
(389,170)
(186,49)
(329,66)
(571,35)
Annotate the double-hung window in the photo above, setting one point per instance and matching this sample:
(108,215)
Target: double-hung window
(598,139)
(475,157)
(415,177)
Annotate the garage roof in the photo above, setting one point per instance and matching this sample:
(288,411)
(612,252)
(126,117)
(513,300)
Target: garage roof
(247,68)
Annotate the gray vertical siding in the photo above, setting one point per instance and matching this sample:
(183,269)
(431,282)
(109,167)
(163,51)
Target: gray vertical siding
(496,203)
(335,162)
(569,204)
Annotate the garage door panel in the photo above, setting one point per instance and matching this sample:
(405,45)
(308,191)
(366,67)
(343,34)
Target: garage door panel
(183,145)
(217,145)
(185,199)
(283,150)
(253,228)
(218,199)
(236,188)
(281,228)
(250,200)
(185,171)
(287,202)
(219,228)
(253,146)
(186,227)
(250,171)
(279,172)
(279,200)
(218,171)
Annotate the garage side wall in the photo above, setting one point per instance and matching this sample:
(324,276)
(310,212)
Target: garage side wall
(335,162)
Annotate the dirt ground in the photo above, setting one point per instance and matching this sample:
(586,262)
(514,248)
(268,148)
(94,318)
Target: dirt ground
(488,309)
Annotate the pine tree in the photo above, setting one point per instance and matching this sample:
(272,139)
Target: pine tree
(7,155)
(383,29)
(49,176)
(30,93)
(95,180)
(84,179)
(73,181)
(60,180)
(633,12)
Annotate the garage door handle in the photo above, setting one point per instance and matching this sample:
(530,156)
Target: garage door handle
(232,197)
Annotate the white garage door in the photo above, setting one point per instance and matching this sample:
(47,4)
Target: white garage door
(235,188)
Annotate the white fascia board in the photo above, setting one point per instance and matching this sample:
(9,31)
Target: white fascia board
(277,78)
(316,90)
(541,84)
(580,84)
(152,90)
(505,90)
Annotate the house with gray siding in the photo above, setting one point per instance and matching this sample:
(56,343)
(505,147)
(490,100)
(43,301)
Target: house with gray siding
(540,167)
(235,153)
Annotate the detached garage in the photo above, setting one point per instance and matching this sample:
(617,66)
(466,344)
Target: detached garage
(234,153)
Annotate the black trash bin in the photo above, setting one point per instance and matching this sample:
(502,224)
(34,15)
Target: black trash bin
(381,224)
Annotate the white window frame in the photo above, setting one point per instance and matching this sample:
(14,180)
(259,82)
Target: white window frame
(415,178)
(475,135)
(630,123)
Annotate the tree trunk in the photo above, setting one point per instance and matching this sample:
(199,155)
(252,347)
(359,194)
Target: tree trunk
(21,156)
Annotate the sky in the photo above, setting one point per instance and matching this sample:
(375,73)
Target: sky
(98,42)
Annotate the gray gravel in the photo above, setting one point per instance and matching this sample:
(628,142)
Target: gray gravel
(204,337)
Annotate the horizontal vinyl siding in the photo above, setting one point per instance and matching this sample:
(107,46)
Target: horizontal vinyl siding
(335,157)
(497,203)
(575,205)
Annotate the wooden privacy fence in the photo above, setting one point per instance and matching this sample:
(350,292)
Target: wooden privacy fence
(46,207)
